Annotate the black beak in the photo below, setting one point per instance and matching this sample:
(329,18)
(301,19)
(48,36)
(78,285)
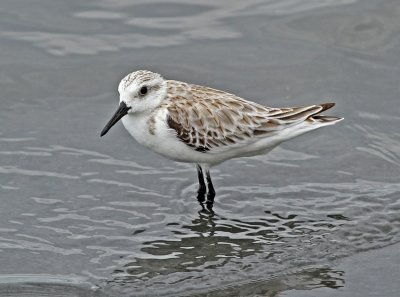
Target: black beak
(121,111)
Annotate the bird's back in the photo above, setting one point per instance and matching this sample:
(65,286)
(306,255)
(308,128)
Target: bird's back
(214,122)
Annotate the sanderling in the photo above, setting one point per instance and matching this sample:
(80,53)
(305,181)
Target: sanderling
(205,126)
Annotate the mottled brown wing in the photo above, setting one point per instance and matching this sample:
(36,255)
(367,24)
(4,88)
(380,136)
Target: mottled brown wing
(206,119)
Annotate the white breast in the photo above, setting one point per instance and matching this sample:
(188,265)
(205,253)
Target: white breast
(153,133)
(136,124)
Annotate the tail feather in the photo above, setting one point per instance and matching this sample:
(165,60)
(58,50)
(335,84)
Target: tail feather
(296,115)
(326,106)
(299,114)
(326,119)
(313,122)
(323,119)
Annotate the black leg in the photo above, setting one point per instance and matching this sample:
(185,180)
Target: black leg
(201,192)
(211,192)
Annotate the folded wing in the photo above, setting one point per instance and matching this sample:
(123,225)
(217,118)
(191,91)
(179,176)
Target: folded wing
(209,120)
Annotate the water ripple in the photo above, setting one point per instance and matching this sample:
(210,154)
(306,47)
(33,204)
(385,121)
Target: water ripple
(167,24)
(139,228)
(26,153)
(28,172)
(6,243)
(332,220)
(141,238)
(382,145)
(17,139)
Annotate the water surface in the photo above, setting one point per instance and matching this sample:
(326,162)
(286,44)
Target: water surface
(84,216)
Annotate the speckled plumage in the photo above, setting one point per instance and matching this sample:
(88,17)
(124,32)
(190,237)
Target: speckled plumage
(206,118)
(197,124)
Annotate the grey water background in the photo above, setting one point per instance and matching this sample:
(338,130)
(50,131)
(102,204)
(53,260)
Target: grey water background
(84,216)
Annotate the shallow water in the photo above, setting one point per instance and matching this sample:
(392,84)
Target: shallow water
(84,216)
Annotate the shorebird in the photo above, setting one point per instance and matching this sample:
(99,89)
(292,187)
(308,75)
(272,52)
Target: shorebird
(205,126)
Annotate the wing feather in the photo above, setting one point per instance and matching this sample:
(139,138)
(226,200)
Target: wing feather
(206,119)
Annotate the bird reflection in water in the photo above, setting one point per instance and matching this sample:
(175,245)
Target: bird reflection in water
(213,244)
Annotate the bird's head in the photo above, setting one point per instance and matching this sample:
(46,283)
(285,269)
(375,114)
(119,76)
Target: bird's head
(140,91)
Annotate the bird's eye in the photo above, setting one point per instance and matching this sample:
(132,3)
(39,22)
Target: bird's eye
(143,90)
